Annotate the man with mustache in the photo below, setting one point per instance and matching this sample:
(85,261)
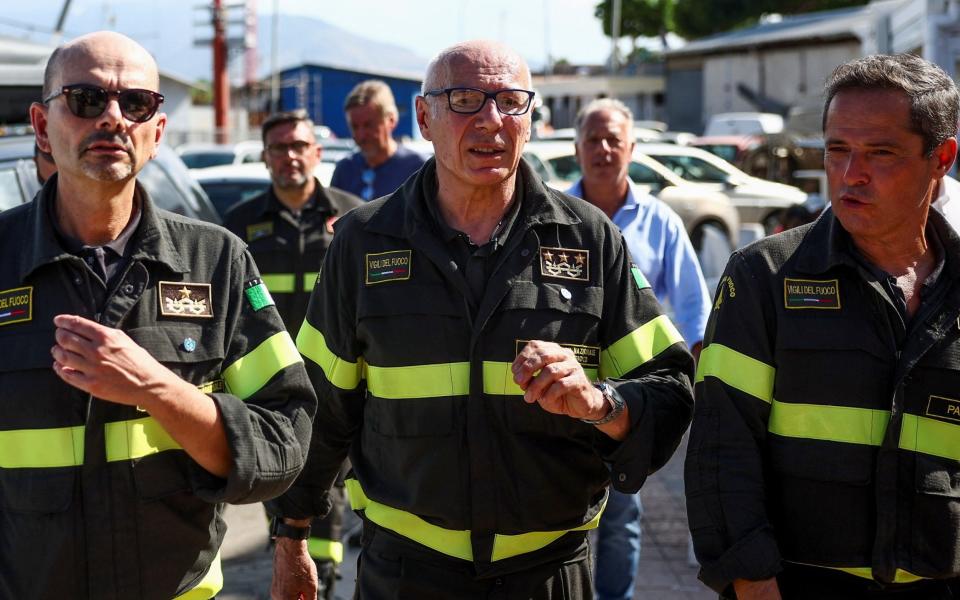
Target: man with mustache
(488,358)
(824,457)
(147,378)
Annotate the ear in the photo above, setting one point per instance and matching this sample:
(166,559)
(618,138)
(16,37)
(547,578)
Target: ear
(319,152)
(158,133)
(576,154)
(946,154)
(38,119)
(423,118)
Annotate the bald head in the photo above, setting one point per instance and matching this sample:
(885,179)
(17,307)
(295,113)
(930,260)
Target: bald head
(103,49)
(483,55)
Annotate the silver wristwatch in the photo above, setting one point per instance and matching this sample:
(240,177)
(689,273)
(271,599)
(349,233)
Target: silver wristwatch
(616,404)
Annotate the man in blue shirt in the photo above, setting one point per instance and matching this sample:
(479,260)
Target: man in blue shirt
(661,249)
(381,165)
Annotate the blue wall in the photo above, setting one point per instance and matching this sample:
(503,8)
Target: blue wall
(322,90)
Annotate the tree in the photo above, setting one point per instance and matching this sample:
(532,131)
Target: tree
(638,18)
(698,18)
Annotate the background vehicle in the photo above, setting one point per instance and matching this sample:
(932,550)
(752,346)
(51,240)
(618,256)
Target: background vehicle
(201,156)
(756,200)
(230,184)
(744,123)
(165,178)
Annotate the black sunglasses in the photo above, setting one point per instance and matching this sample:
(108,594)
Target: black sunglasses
(89,102)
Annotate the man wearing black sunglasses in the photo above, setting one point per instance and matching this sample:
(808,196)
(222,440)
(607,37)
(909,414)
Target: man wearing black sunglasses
(488,359)
(147,377)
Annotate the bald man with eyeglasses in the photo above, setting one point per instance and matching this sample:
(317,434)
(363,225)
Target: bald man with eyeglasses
(147,378)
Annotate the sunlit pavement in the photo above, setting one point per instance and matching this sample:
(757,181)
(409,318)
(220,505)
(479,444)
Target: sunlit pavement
(665,573)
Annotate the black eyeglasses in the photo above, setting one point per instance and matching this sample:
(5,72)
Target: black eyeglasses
(278,150)
(468,101)
(89,101)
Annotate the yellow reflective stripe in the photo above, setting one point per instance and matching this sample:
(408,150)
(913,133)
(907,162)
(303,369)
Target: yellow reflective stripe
(322,549)
(452,542)
(41,448)
(498,378)
(507,546)
(340,372)
(638,346)
(253,370)
(929,436)
(137,438)
(209,586)
(832,423)
(309,280)
(737,370)
(419,381)
(446,541)
(278,283)
(900,576)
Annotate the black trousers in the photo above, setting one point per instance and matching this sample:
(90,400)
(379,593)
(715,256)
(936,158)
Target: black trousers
(388,570)
(800,582)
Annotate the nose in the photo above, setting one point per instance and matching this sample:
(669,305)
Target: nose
(111,117)
(489,117)
(855,170)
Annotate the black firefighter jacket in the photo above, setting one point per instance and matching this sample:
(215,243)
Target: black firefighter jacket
(96,500)
(419,388)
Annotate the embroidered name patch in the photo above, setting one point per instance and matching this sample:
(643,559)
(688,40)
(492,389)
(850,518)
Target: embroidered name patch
(642,282)
(811,293)
(388,266)
(181,299)
(587,356)
(259,230)
(726,283)
(257,294)
(565,263)
(16,305)
(939,407)
(212,387)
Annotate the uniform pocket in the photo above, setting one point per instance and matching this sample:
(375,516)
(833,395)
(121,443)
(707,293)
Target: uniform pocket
(37,491)
(936,514)
(161,475)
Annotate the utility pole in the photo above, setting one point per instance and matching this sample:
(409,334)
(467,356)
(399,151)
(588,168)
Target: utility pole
(221,83)
(615,37)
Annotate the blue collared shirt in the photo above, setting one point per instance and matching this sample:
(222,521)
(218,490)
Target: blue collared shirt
(661,249)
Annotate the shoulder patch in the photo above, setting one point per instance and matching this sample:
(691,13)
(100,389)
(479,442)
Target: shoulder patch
(16,305)
(257,294)
(182,299)
(259,230)
(940,407)
(726,283)
(388,266)
(565,263)
(823,294)
(642,282)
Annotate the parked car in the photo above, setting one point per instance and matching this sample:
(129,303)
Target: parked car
(201,156)
(165,178)
(757,200)
(709,217)
(744,123)
(230,184)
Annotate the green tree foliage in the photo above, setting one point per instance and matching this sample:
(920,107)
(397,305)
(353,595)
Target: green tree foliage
(638,18)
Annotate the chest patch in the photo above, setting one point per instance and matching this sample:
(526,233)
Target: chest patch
(388,266)
(823,294)
(259,230)
(939,407)
(16,305)
(565,263)
(587,356)
(181,299)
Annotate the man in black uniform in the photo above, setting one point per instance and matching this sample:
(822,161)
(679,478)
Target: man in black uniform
(823,458)
(288,229)
(457,334)
(146,376)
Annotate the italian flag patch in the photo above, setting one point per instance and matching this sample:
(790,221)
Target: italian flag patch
(639,278)
(257,294)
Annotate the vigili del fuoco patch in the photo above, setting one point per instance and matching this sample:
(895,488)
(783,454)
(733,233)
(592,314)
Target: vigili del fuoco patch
(259,230)
(16,305)
(587,356)
(565,263)
(811,293)
(940,407)
(181,299)
(388,266)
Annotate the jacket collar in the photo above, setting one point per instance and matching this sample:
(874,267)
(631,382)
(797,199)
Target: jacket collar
(404,212)
(152,241)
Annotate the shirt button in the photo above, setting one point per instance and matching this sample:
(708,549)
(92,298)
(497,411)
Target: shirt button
(622,477)
(453,266)
(524,253)
(77,280)
(128,289)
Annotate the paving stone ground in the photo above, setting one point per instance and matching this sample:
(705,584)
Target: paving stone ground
(664,573)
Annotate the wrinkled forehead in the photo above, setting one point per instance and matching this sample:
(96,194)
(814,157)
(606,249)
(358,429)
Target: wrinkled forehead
(113,66)
(478,69)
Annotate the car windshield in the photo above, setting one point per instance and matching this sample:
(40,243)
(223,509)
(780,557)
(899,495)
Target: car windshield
(727,152)
(202,160)
(10,194)
(224,194)
(692,168)
(566,167)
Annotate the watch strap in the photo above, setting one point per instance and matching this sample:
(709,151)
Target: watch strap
(613,398)
(280,529)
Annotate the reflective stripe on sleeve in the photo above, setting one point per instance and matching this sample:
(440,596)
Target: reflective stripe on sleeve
(41,448)
(452,542)
(279,283)
(900,576)
(737,370)
(253,370)
(638,346)
(137,438)
(310,280)
(340,372)
(419,381)
(209,586)
(830,423)
(937,438)
(323,549)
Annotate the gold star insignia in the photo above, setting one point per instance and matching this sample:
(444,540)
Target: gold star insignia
(548,255)
(564,257)
(184,293)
